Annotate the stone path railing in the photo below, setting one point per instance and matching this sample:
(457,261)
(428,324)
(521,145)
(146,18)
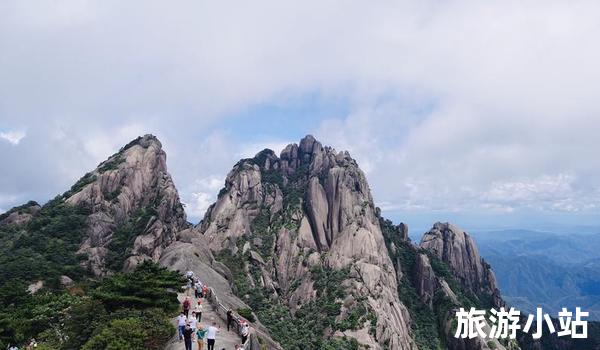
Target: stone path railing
(221,310)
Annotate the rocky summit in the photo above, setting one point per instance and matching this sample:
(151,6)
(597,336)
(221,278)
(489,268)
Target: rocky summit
(304,213)
(132,199)
(456,248)
(19,215)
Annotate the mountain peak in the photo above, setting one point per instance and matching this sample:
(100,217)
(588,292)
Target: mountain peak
(457,248)
(309,210)
(131,186)
(143,141)
(308,144)
(20,215)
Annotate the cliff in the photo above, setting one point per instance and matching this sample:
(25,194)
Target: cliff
(134,207)
(300,220)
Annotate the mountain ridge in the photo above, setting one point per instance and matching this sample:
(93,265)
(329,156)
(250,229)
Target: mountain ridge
(295,238)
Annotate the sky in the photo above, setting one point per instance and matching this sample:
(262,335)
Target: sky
(481,113)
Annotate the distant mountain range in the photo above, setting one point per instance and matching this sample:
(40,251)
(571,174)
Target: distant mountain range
(545,269)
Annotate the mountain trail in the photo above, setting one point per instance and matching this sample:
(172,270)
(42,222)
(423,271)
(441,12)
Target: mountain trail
(225,339)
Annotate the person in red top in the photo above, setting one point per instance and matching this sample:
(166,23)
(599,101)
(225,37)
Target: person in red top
(205,291)
(186,306)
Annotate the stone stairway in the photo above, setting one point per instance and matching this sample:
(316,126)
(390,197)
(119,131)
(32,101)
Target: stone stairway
(225,339)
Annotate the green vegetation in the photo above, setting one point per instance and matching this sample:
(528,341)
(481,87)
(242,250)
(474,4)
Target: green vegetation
(466,299)
(344,343)
(293,193)
(308,326)
(127,333)
(45,248)
(424,324)
(223,191)
(112,196)
(124,311)
(427,322)
(130,144)
(236,266)
(246,313)
(111,163)
(304,329)
(121,311)
(146,288)
(262,228)
(120,247)
(18,209)
(80,184)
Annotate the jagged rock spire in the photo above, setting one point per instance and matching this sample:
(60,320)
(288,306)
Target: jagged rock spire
(317,204)
(132,187)
(458,249)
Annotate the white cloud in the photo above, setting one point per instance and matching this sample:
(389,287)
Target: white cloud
(546,187)
(6,200)
(13,136)
(100,145)
(449,105)
(249,150)
(206,193)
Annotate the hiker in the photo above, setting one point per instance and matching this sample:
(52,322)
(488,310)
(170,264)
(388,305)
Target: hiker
(198,310)
(200,334)
(187,304)
(229,319)
(193,321)
(198,289)
(190,281)
(32,344)
(181,320)
(238,347)
(187,336)
(245,332)
(204,291)
(211,336)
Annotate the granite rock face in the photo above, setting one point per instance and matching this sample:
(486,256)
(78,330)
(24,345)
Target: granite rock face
(190,253)
(132,187)
(455,247)
(20,215)
(310,207)
(425,280)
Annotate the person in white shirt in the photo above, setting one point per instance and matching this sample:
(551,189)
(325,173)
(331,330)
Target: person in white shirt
(181,320)
(198,289)
(190,282)
(198,310)
(211,336)
(193,321)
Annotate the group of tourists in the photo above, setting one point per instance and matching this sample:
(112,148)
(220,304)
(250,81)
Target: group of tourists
(245,327)
(189,326)
(194,284)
